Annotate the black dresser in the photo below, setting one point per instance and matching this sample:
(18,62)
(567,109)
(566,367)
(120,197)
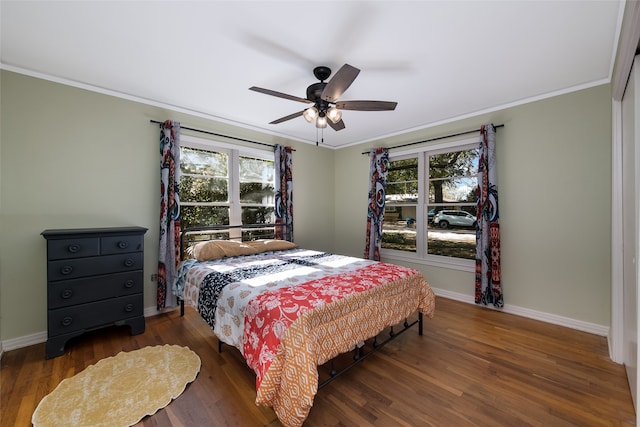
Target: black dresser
(95,278)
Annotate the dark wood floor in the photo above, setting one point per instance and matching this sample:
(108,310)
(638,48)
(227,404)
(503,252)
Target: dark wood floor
(472,367)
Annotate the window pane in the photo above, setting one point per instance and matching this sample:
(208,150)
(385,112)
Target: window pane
(398,238)
(401,193)
(256,170)
(194,189)
(202,162)
(452,233)
(454,163)
(255,192)
(458,243)
(453,190)
(257,179)
(453,177)
(399,228)
(191,216)
(258,215)
(402,181)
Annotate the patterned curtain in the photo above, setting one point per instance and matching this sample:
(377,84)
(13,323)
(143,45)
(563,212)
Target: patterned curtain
(488,283)
(169,253)
(284,192)
(378,170)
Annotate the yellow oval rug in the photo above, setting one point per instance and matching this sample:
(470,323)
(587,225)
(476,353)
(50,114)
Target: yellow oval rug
(120,390)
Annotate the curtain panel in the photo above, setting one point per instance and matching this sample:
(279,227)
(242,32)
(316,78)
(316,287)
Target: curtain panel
(169,245)
(488,284)
(284,192)
(378,170)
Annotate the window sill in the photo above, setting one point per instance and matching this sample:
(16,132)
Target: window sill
(432,261)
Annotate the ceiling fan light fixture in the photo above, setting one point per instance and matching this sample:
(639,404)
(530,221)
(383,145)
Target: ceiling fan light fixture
(321,122)
(323,96)
(310,114)
(334,114)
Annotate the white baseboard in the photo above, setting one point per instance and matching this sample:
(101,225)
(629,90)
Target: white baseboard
(25,341)
(579,325)
(40,337)
(153,311)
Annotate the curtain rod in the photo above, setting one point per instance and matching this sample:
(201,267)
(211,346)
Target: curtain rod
(218,134)
(435,139)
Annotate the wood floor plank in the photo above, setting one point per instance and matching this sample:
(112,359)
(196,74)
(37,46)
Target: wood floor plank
(472,367)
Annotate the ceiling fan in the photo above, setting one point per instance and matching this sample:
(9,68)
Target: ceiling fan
(324,96)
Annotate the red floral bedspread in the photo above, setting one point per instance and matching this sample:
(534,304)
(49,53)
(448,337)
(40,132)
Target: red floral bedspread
(288,332)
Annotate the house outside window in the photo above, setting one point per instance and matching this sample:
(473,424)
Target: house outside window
(221,184)
(430,206)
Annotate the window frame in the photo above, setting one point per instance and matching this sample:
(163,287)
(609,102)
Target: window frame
(421,256)
(234,152)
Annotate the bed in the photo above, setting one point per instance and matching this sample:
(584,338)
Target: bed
(289,309)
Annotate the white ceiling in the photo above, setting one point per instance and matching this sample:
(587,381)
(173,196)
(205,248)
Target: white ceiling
(440,60)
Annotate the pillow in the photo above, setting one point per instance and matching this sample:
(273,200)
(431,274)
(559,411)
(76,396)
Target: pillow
(271,245)
(233,248)
(205,251)
(216,249)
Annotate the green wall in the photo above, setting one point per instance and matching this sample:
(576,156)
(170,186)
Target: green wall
(554,183)
(73,158)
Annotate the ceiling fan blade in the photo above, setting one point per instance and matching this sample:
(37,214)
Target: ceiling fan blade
(279,94)
(336,126)
(285,118)
(366,105)
(339,83)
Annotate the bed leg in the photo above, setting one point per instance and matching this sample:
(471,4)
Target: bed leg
(420,323)
(181,301)
(219,346)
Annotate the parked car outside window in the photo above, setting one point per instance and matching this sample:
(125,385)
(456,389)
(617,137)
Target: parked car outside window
(448,218)
(431,214)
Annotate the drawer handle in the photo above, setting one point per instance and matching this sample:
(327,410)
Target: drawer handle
(67,269)
(128,262)
(66,294)
(129,284)
(123,245)
(74,248)
(67,321)
(128,308)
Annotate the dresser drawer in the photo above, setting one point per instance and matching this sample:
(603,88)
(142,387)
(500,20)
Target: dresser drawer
(121,244)
(83,267)
(94,314)
(79,291)
(73,248)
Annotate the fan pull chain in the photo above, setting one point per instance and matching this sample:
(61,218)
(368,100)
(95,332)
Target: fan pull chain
(321,130)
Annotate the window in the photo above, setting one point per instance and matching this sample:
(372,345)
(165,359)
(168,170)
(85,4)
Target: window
(430,210)
(225,185)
